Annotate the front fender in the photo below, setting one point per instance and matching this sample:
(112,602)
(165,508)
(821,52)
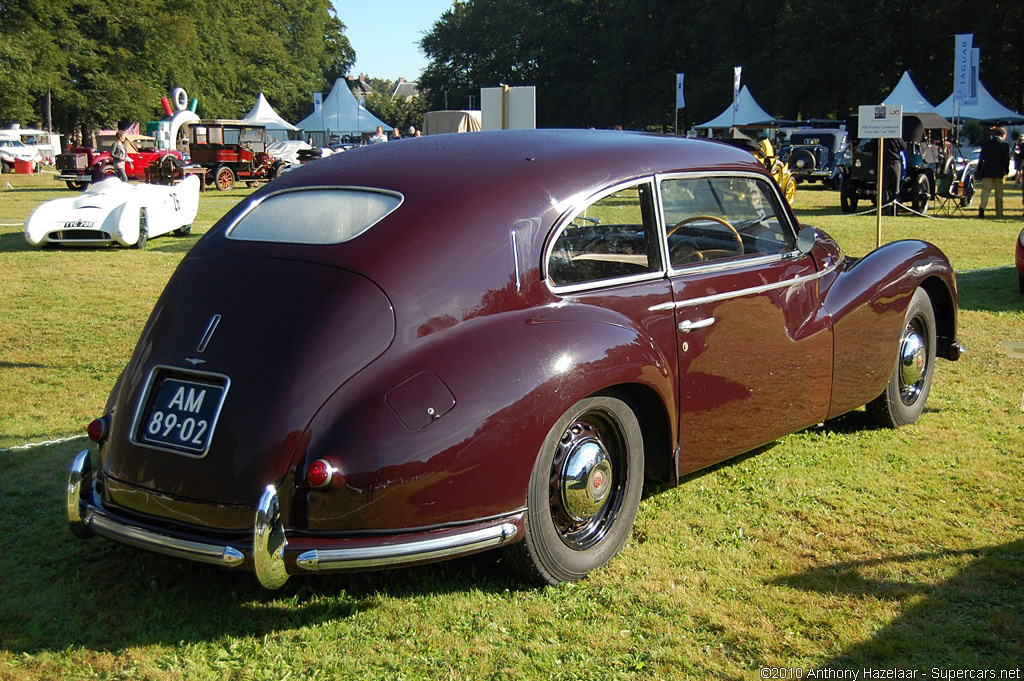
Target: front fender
(868,303)
(493,387)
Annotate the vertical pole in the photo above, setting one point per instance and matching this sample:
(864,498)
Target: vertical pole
(504,107)
(879,182)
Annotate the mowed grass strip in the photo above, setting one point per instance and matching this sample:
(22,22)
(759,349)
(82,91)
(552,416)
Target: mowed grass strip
(844,546)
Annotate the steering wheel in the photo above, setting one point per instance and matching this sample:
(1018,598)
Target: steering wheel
(712,218)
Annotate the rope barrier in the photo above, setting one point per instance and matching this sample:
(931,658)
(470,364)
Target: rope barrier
(45,443)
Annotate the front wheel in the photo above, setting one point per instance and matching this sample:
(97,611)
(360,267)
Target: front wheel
(77,186)
(789,189)
(583,493)
(143,231)
(902,401)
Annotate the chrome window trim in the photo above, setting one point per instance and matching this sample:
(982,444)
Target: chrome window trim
(254,203)
(574,210)
(754,290)
(724,264)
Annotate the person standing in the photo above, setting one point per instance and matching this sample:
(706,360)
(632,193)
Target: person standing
(993,165)
(119,155)
(379,136)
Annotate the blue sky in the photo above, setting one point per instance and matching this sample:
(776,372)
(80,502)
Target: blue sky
(385,33)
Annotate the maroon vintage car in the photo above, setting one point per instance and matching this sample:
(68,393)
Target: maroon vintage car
(442,345)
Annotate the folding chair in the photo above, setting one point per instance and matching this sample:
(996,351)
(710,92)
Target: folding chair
(948,192)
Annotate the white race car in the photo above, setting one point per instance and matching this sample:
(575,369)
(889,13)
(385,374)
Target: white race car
(113,211)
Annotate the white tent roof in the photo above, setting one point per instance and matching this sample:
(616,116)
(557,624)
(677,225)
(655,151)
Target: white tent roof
(987,109)
(341,113)
(750,113)
(263,114)
(907,94)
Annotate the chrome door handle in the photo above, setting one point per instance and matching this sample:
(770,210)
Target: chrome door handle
(686,326)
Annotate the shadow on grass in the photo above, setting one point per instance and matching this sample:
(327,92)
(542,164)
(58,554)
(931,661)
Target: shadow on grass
(973,619)
(993,289)
(61,592)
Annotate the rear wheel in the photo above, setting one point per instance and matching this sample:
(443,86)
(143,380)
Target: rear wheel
(922,194)
(968,198)
(583,493)
(224,178)
(847,198)
(903,399)
(184,230)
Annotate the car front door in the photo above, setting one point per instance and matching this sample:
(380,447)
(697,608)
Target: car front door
(754,345)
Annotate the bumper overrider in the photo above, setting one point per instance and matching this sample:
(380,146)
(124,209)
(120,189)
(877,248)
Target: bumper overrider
(271,553)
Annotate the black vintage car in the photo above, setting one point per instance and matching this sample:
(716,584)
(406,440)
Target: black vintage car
(923,160)
(814,154)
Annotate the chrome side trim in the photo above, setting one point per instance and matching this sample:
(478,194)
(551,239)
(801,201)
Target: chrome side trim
(755,290)
(269,541)
(214,554)
(81,472)
(397,554)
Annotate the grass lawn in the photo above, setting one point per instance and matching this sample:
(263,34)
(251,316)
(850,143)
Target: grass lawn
(840,547)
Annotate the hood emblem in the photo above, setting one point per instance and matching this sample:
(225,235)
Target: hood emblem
(211,327)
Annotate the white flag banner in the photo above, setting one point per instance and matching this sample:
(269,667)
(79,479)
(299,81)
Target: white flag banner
(737,75)
(962,64)
(971,97)
(680,100)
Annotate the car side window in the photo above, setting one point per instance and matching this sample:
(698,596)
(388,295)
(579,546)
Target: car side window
(714,218)
(611,238)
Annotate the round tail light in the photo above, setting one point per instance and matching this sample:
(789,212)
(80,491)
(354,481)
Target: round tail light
(319,474)
(97,430)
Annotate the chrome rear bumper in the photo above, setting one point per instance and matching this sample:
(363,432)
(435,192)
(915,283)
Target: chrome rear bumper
(272,552)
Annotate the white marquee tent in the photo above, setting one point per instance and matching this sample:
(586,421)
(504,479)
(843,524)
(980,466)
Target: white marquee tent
(986,109)
(748,114)
(906,94)
(262,113)
(341,114)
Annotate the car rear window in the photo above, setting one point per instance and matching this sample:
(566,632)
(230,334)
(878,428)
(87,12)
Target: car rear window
(314,216)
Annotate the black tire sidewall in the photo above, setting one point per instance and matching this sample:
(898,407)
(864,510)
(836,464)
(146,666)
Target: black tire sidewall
(551,557)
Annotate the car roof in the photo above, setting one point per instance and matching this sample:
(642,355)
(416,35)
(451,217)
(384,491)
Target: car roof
(548,164)
(464,193)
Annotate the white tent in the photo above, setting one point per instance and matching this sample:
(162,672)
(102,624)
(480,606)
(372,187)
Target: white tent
(341,114)
(906,94)
(263,114)
(986,109)
(749,113)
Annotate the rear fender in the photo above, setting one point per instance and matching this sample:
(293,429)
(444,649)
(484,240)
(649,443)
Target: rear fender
(447,430)
(868,302)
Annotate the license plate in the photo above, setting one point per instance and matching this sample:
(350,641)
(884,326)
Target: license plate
(183,413)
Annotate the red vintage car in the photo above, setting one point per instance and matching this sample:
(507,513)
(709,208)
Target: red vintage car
(448,344)
(80,166)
